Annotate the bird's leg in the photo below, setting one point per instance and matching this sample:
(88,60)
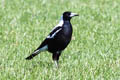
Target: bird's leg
(55,58)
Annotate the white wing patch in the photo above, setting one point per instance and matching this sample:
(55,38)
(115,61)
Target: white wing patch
(52,36)
(61,22)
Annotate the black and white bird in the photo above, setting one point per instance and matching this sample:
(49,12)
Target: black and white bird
(58,39)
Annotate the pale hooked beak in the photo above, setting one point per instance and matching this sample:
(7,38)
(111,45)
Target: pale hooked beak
(73,14)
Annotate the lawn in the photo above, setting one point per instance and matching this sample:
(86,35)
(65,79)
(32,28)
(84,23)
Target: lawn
(93,54)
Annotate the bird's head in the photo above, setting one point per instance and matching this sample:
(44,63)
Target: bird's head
(68,15)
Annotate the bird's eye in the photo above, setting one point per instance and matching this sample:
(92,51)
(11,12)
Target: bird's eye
(68,14)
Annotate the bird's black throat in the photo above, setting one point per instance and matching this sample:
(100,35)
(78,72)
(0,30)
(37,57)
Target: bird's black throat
(67,28)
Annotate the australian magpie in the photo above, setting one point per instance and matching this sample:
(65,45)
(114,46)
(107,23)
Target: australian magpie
(58,39)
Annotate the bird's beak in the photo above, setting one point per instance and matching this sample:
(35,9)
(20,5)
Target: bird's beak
(73,14)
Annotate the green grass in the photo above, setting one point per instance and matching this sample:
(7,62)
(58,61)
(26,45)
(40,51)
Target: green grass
(93,54)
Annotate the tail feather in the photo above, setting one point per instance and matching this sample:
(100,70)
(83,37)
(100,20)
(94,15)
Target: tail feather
(36,52)
(32,55)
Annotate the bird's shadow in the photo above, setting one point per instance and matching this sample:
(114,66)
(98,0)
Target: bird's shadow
(42,64)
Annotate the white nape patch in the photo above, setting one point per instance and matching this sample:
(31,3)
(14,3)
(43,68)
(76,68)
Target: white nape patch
(52,36)
(41,49)
(58,25)
(60,22)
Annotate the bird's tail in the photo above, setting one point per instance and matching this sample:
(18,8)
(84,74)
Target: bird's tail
(32,55)
(37,51)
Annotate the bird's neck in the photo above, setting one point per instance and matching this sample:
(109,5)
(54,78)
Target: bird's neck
(62,21)
(67,27)
(67,22)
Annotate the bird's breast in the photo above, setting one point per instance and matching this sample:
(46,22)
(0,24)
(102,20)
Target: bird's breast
(61,39)
(67,31)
